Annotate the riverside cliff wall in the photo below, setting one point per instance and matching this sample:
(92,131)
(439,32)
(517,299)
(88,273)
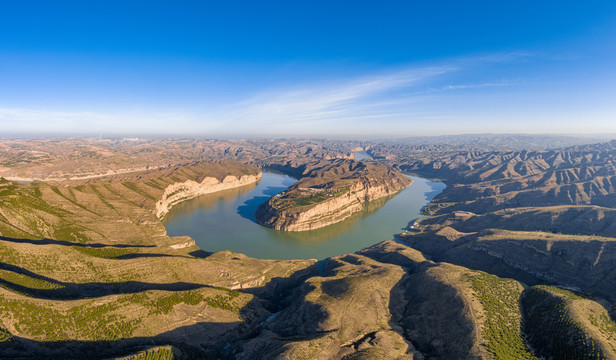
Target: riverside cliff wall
(330,210)
(178,192)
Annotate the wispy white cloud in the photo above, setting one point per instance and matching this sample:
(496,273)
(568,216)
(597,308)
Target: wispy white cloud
(396,95)
(334,103)
(376,101)
(475,86)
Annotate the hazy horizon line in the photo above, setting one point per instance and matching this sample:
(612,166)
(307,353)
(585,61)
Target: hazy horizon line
(133,136)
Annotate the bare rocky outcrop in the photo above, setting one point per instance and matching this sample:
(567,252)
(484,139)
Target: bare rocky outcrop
(178,192)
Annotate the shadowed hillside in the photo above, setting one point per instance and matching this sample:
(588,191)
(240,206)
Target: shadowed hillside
(87,270)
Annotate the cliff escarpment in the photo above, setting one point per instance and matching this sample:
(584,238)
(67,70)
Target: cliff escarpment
(88,271)
(328,193)
(181,191)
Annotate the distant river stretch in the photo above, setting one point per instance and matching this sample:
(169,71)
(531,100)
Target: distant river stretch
(225,221)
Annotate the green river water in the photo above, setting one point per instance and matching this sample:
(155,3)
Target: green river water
(225,221)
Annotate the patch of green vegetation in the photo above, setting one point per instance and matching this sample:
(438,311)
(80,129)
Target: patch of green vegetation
(37,191)
(179,200)
(81,188)
(154,184)
(28,281)
(432,208)
(221,302)
(66,231)
(553,331)
(158,353)
(9,255)
(10,231)
(105,253)
(566,293)
(232,293)
(499,298)
(341,191)
(310,199)
(132,186)
(7,190)
(138,298)
(175,192)
(93,321)
(164,304)
(110,189)
(24,201)
(605,325)
(5,335)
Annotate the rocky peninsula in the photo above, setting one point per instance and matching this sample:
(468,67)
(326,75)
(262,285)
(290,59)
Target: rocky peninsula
(329,192)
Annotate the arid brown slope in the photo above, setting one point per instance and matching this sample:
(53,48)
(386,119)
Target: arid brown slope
(537,216)
(88,265)
(64,158)
(86,270)
(574,219)
(388,302)
(489,181)
(99,299)
(103,210)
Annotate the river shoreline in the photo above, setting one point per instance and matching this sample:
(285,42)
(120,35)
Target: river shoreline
(225,221)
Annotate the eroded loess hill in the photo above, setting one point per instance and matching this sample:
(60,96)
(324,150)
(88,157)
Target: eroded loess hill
(87,271)
(329,192)
(537,216)
(389,302)
(76,158)
(139,292)
(83,296)
(486,181)
(114,208)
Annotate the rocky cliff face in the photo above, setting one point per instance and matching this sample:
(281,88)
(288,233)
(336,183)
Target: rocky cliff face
(178,192)
(331,207)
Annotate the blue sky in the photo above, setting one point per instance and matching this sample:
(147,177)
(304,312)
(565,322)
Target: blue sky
(314,68)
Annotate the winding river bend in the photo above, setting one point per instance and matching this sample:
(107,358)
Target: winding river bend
(225,221)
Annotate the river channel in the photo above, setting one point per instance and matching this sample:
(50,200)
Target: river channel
(225,221)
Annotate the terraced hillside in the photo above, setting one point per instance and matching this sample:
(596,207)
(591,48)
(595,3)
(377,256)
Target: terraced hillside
(89,264)
(87,271)
(101,292)
(123,289)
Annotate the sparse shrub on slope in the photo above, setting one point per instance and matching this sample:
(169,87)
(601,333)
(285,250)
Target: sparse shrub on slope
(551,328)
(155,353)
(501,331)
